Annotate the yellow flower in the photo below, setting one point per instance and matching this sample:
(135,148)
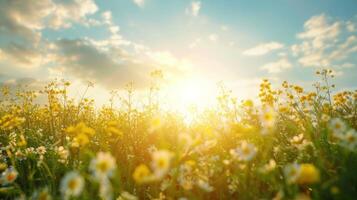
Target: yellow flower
(80,128)
(302,174)
(155,124)
(81,133)
(309,174)
(248,103)
(81,139)
(142,174)
(10,121)
(3,166)
(112,129)
(334,190)
(22,141)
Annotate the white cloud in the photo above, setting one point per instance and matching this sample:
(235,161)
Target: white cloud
(213,37)
(263,49)
(107,17)
(278,66)
(224,28)
(351,27)
(169,61)
(22,22)
(195,43)
(139,3)
(345,65)
(64,14)
(108,21)
(344,49)
(22,56)
(194,8)
(324,42)
(319,30)
(115,66)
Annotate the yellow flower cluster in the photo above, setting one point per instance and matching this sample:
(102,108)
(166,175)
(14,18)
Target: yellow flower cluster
(9,122)
(81,133)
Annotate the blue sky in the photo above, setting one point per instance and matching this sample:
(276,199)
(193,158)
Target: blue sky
(239,42)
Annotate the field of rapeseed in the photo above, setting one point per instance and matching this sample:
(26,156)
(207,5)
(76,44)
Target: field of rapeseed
(291,144)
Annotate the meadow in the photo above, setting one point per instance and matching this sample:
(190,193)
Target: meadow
(290,143)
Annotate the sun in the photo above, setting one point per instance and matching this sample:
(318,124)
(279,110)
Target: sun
(192,92)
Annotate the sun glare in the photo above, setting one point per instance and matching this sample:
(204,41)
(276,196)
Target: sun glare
(188,93)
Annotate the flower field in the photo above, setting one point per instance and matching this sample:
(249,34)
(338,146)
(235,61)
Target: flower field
(290,143)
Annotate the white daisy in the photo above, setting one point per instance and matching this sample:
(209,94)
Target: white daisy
(245,152)
(103,165)
(72,184)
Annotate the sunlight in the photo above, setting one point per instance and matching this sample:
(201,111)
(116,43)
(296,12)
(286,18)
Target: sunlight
(190,95)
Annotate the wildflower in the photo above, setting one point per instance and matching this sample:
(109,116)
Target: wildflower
(299,141)
(270,166)
(72,184)
(245,152)
(349,140)
(204,185)
(81,140)
(41,150)
(112,129)
(9,176)
(248,103)
(325,117)
(81,133)
(11,121)
(3,166)
(42,195)
(302,174)
(337,127)
(22,141)
(29,151)
(161,162)
(105,190)
(334,190)
(308,174)
(268,118)
(80,128)
(103,165)
(155,124)
(142,174)
(62,153)
(185,177)
(20,155)
(292,172)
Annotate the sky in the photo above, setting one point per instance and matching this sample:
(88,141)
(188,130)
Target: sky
(195,43)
